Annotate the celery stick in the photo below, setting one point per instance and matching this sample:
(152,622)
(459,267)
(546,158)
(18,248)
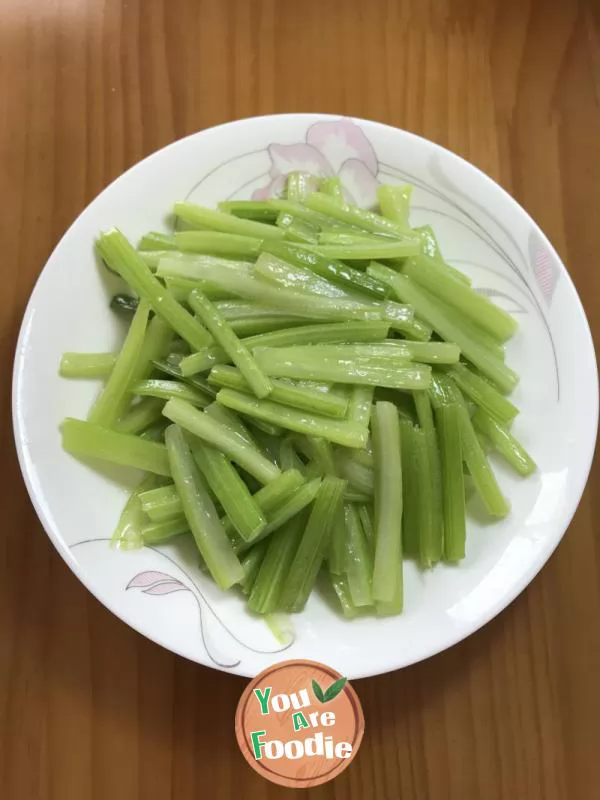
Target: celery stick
(300,278)
(453,486)
(299,210)
(296,229)
(432,547)
(233,309)
(392,349)
(230,490)
(340,587)
(308,334)
(394,606)
(360,405)
(226,338)
(352,215)
(288,394)
(114,398)
(232,421)
(273,572)
(335,271)
(208,218)
(505,443)
(347,237)
(215,243)
(338,431)
(140,416)
(410,490)
(258,210)
(128,532)
(387,565)
(88,440)
(366,520)
(245,327)
(154,432)
(157,241)
(169,367)
(435,314)
(394,202)
(313,545)
(298,363)
(299,185)
(121,256)
(357,249)
(222,438)
(204,270)
(157,341)
(358,475)
(251,562)
(359,566)
(160,532)
(87,365)
(336,553)
(425,497)
(320,452)
(161,503)
(483,394)
(433,276)
(166,389)
(288,458)
(333,188)
(480,469)
(200,512)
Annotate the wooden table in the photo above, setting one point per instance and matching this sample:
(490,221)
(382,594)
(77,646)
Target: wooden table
(89,709)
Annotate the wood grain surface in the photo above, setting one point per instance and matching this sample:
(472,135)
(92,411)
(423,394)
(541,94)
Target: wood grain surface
(89,710)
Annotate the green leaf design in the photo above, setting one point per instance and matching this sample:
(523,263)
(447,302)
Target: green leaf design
(334,689)
(318,692)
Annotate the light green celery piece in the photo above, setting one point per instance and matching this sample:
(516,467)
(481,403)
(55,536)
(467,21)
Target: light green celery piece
(200,512)
(288,457)
(434,313)
(299,210)
(87,365)
(170,366)
(335,271)
(479,468)
(504,442)
(433,276)
(366,520)
(140,416)
(203,270)
(258,210)
(299,185)
(336,553)
(431,248)
(208,218)
(230,490)
(453,485)
(334,430)
(157,241)
(307,334)
(359,564)
(483,394)
(128,532)
(302,364)
(393,349)
(251,562)
(353,248)
(297,277)
(297,230)
(431,549)
(154,533)
(88,440)
(289,394)
(222,438)
(286,510)
(281,548)
(411,524)
(333,188)
(231,420)
(165,390)
(358,475)
(353,215)
(360,405)
(393,607)
(260,385)
(215,243)
(387,563)
(161,503)
(394,202)
(320,452)
(234,309)
(252,326)
(342,592)
(157,342)
(313,545)
(122,258)
(114,398)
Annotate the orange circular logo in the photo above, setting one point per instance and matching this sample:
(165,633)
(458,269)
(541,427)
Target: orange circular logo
(299,723)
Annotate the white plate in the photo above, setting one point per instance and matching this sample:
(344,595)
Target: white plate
(160,592)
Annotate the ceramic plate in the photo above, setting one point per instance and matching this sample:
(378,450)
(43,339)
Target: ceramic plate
(482,230)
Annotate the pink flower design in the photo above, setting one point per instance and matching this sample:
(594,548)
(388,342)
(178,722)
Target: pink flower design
(331,148)
(544,269)
(152,582)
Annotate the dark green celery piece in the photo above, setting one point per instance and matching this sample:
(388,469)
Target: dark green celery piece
(453,486)
(359,565)
(431,550)
(281,549)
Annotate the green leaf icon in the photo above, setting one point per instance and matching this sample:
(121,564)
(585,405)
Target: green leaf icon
(318,692)
(334,689)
